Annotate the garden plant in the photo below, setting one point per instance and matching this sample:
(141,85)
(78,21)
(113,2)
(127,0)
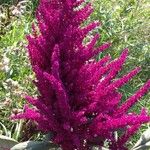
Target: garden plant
(78,105)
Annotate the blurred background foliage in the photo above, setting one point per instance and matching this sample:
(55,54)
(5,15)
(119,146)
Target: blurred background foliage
(124,23)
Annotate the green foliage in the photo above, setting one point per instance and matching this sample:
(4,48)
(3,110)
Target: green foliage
(126,24)
(15,71)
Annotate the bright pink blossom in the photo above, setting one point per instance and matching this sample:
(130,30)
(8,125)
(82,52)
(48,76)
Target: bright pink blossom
(79,101)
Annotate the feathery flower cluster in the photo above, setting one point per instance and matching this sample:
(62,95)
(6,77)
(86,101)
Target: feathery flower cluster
(79,101)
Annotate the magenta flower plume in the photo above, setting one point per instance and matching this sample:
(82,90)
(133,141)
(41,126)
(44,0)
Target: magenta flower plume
(79,101)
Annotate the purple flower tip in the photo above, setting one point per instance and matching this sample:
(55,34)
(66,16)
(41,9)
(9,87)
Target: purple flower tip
(79,101)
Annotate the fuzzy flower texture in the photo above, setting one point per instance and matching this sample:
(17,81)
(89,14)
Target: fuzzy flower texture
(79,102)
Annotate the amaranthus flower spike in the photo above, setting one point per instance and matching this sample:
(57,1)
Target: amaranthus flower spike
(79,101)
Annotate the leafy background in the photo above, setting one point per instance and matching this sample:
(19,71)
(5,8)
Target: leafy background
(124,23)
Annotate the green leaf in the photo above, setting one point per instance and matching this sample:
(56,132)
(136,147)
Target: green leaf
(4,128)
(31,145)
(144,142)
(6,142)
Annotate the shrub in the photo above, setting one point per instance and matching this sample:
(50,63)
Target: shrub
(79,102)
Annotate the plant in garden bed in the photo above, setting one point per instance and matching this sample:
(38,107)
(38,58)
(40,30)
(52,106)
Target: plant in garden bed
(79,104)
